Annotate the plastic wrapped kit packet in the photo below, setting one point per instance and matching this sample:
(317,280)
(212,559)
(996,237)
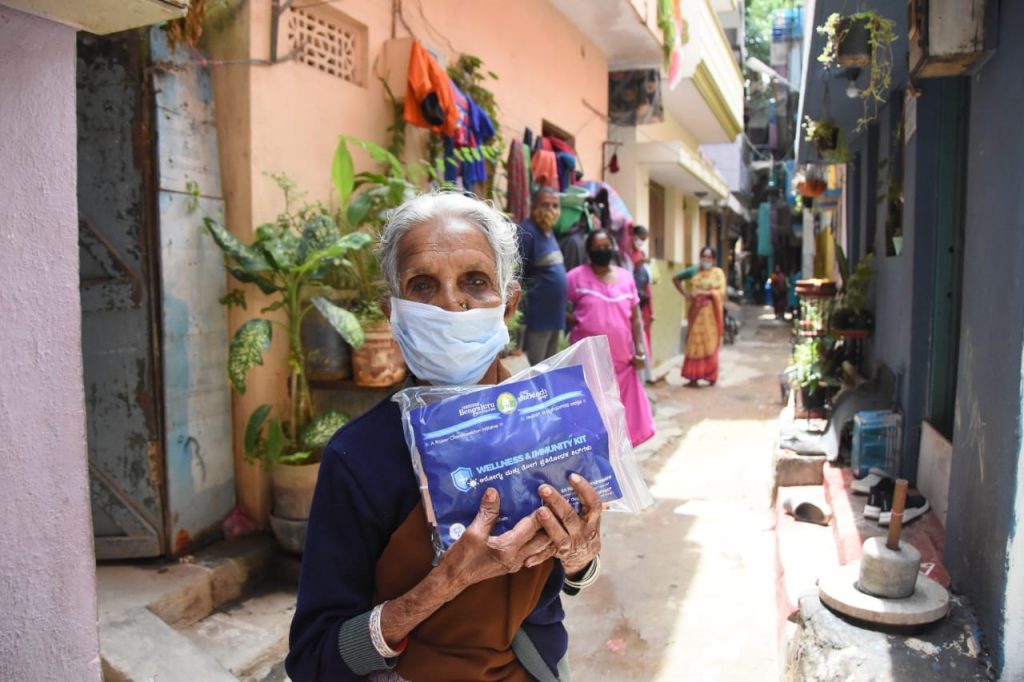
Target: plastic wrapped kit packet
(560,417)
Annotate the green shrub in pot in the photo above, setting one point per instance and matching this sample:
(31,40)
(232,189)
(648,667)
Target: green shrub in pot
(287,259)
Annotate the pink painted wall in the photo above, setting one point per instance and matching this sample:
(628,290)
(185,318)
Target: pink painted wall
(47,571)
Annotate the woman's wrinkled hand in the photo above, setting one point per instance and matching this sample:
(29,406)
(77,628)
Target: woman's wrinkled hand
(576,537)
(477,556)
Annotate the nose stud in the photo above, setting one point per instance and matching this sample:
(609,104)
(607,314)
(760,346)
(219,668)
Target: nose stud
(464,305)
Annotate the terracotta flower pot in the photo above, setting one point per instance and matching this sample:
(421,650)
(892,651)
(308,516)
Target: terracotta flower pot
(379,362)
(812,187)
(292,489)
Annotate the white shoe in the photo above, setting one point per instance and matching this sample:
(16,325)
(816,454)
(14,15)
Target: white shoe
(863,486)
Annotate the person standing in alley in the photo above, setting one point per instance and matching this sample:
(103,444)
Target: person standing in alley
(605,303)
(643,279)
(780,292)
(544,277)
(705,294)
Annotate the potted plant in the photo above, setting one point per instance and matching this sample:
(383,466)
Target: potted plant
(862,39)
(853,313)
(812,186)
(810,372)
(365,198)
(824,135)
(286,259)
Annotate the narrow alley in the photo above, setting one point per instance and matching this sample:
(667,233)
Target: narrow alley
(687,590)
(292,247)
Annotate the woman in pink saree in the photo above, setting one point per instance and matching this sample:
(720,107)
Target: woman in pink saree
(705,292)
(605,302)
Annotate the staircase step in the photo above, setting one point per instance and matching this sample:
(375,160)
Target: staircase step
(250,636)
(144,605)
(138,646)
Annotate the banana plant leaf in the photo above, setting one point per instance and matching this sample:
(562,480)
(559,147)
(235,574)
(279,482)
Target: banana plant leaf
(350,242)
(319,232)
(296,458)
(360,208)
(275,440)
(343,172)
(319,431)
(265,285)
(344,322)
(381,155)
(248,258)
(247,347)
(254,428)
(283,251)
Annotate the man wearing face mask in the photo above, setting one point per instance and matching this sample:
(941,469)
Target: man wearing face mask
(544,278)
(372,604)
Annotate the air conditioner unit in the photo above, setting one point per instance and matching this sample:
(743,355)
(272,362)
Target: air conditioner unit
(104,16)
(947,37)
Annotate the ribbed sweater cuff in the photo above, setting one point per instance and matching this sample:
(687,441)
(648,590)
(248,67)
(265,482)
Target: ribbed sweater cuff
(357,648)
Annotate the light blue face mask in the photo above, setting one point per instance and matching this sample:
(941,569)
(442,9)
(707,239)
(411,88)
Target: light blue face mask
(442,347)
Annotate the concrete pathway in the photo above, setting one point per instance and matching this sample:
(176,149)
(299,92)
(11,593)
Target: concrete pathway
(688,587)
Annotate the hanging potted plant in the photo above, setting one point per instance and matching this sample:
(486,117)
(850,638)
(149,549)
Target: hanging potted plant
(824,135)
(285,261)
(862,40)
(812,186)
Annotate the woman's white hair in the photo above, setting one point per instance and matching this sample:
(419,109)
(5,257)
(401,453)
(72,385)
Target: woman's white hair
(501,233)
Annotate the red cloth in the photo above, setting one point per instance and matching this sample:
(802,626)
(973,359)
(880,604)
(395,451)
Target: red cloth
(705,367)
(701,368)
(558,145)
(545,169)
(429,85)
(518,184)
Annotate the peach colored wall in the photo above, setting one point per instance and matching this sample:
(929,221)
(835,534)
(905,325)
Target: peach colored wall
(47,564)
(546,69)
(287,117)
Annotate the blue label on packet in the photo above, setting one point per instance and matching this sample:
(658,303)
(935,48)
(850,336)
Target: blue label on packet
(512,438)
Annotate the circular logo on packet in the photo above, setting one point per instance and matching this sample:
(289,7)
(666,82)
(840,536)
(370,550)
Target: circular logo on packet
(456,531)
(507,403)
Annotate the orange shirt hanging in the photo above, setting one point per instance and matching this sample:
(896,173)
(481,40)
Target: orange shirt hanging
(429,102)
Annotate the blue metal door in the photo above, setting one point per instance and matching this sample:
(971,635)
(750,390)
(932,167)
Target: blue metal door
(119,334)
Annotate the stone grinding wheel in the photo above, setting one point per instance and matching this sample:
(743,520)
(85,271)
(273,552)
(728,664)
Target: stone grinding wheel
(838,590)
(884,587)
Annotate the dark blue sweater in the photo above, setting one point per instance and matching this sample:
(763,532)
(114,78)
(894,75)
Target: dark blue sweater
(365,491)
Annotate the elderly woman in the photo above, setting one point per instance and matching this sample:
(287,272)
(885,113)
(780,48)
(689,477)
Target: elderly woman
(371,603)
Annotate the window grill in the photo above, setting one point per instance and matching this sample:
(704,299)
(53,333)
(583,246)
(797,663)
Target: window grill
(330,42)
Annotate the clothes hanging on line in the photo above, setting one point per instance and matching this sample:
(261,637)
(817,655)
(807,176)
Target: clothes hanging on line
(518,183)
(474,128)
(545,169)
(566,170)
(429,102)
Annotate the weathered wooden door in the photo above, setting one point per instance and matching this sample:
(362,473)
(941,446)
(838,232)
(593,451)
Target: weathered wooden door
(117,253)
(194,325)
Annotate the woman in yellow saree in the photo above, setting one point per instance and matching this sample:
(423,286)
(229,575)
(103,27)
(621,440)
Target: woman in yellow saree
(705,292)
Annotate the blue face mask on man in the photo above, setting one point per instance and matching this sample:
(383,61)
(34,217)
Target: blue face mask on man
(442,347)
